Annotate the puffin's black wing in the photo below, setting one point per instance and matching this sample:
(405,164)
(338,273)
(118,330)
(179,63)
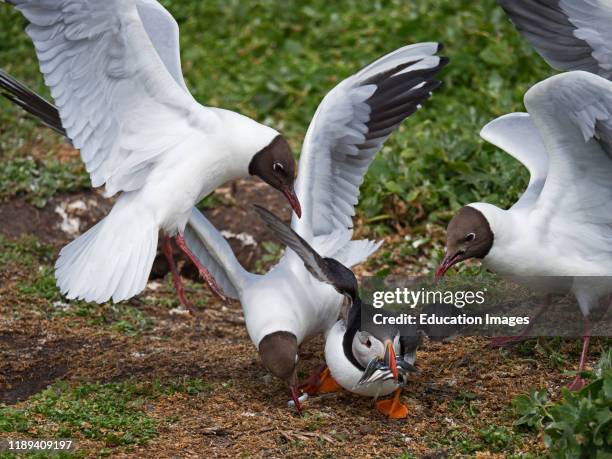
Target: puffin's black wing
(326,270)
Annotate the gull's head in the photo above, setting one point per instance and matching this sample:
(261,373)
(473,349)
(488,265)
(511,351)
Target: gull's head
(468,235)
(275,165)
(279,354)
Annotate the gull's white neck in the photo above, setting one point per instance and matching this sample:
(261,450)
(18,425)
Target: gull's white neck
(243,138)
(520,248)
(505,231)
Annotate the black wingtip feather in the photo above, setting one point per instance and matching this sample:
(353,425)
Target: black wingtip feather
(398,96)
(416,96)
(31,102)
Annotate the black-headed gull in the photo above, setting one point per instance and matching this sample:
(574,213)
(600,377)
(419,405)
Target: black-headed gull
(364,360)
(48,115)
(561,225)
(114,71)
(287,306)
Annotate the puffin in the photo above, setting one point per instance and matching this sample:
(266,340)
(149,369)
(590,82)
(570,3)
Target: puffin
(114,71)
(286,306)
(557,236)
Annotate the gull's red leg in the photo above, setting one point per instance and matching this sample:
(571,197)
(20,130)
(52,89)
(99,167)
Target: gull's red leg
(295,396)
(578,382)
(176,277)
(210,280)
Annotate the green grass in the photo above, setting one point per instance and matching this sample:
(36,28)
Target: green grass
(36,288)
(274,61)
(40,179)
(490,439)
(112,413)
(27,251)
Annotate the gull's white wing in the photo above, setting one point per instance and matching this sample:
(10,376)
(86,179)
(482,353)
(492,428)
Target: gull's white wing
(349,128)
(163,32)
(516,134)
(119,103)
(573,113)
(568,34)
(214,252)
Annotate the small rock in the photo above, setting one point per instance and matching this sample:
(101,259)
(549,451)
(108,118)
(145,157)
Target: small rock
(61,305)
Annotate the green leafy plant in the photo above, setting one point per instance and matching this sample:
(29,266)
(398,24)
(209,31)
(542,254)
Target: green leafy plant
(531,408)
(272,252)
(580,425)
(499,438)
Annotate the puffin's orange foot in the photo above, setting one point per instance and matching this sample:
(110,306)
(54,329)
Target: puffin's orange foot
(327,383)
(393,407)
(323,383)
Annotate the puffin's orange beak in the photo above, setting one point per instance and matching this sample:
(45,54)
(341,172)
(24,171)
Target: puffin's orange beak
(390,358)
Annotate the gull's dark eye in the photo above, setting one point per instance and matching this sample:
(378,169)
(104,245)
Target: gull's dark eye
(278,167)
(368,344)
(470,237)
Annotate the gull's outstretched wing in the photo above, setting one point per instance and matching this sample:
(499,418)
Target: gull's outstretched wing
(568,34)
(573,113)
(120,99)
(349,128)
(516,134)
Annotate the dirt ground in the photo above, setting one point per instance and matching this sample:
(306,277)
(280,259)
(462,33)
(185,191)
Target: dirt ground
(463,387)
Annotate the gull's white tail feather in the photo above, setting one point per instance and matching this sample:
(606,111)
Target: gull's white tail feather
(111,260)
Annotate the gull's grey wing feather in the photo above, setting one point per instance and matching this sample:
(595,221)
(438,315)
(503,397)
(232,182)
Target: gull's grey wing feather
(163,31)
(518,136)
(118,102)
(568,34)
(161,28)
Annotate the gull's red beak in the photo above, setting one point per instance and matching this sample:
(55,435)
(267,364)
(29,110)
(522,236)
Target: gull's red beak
(293,200)
(390,358)
(447,262)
